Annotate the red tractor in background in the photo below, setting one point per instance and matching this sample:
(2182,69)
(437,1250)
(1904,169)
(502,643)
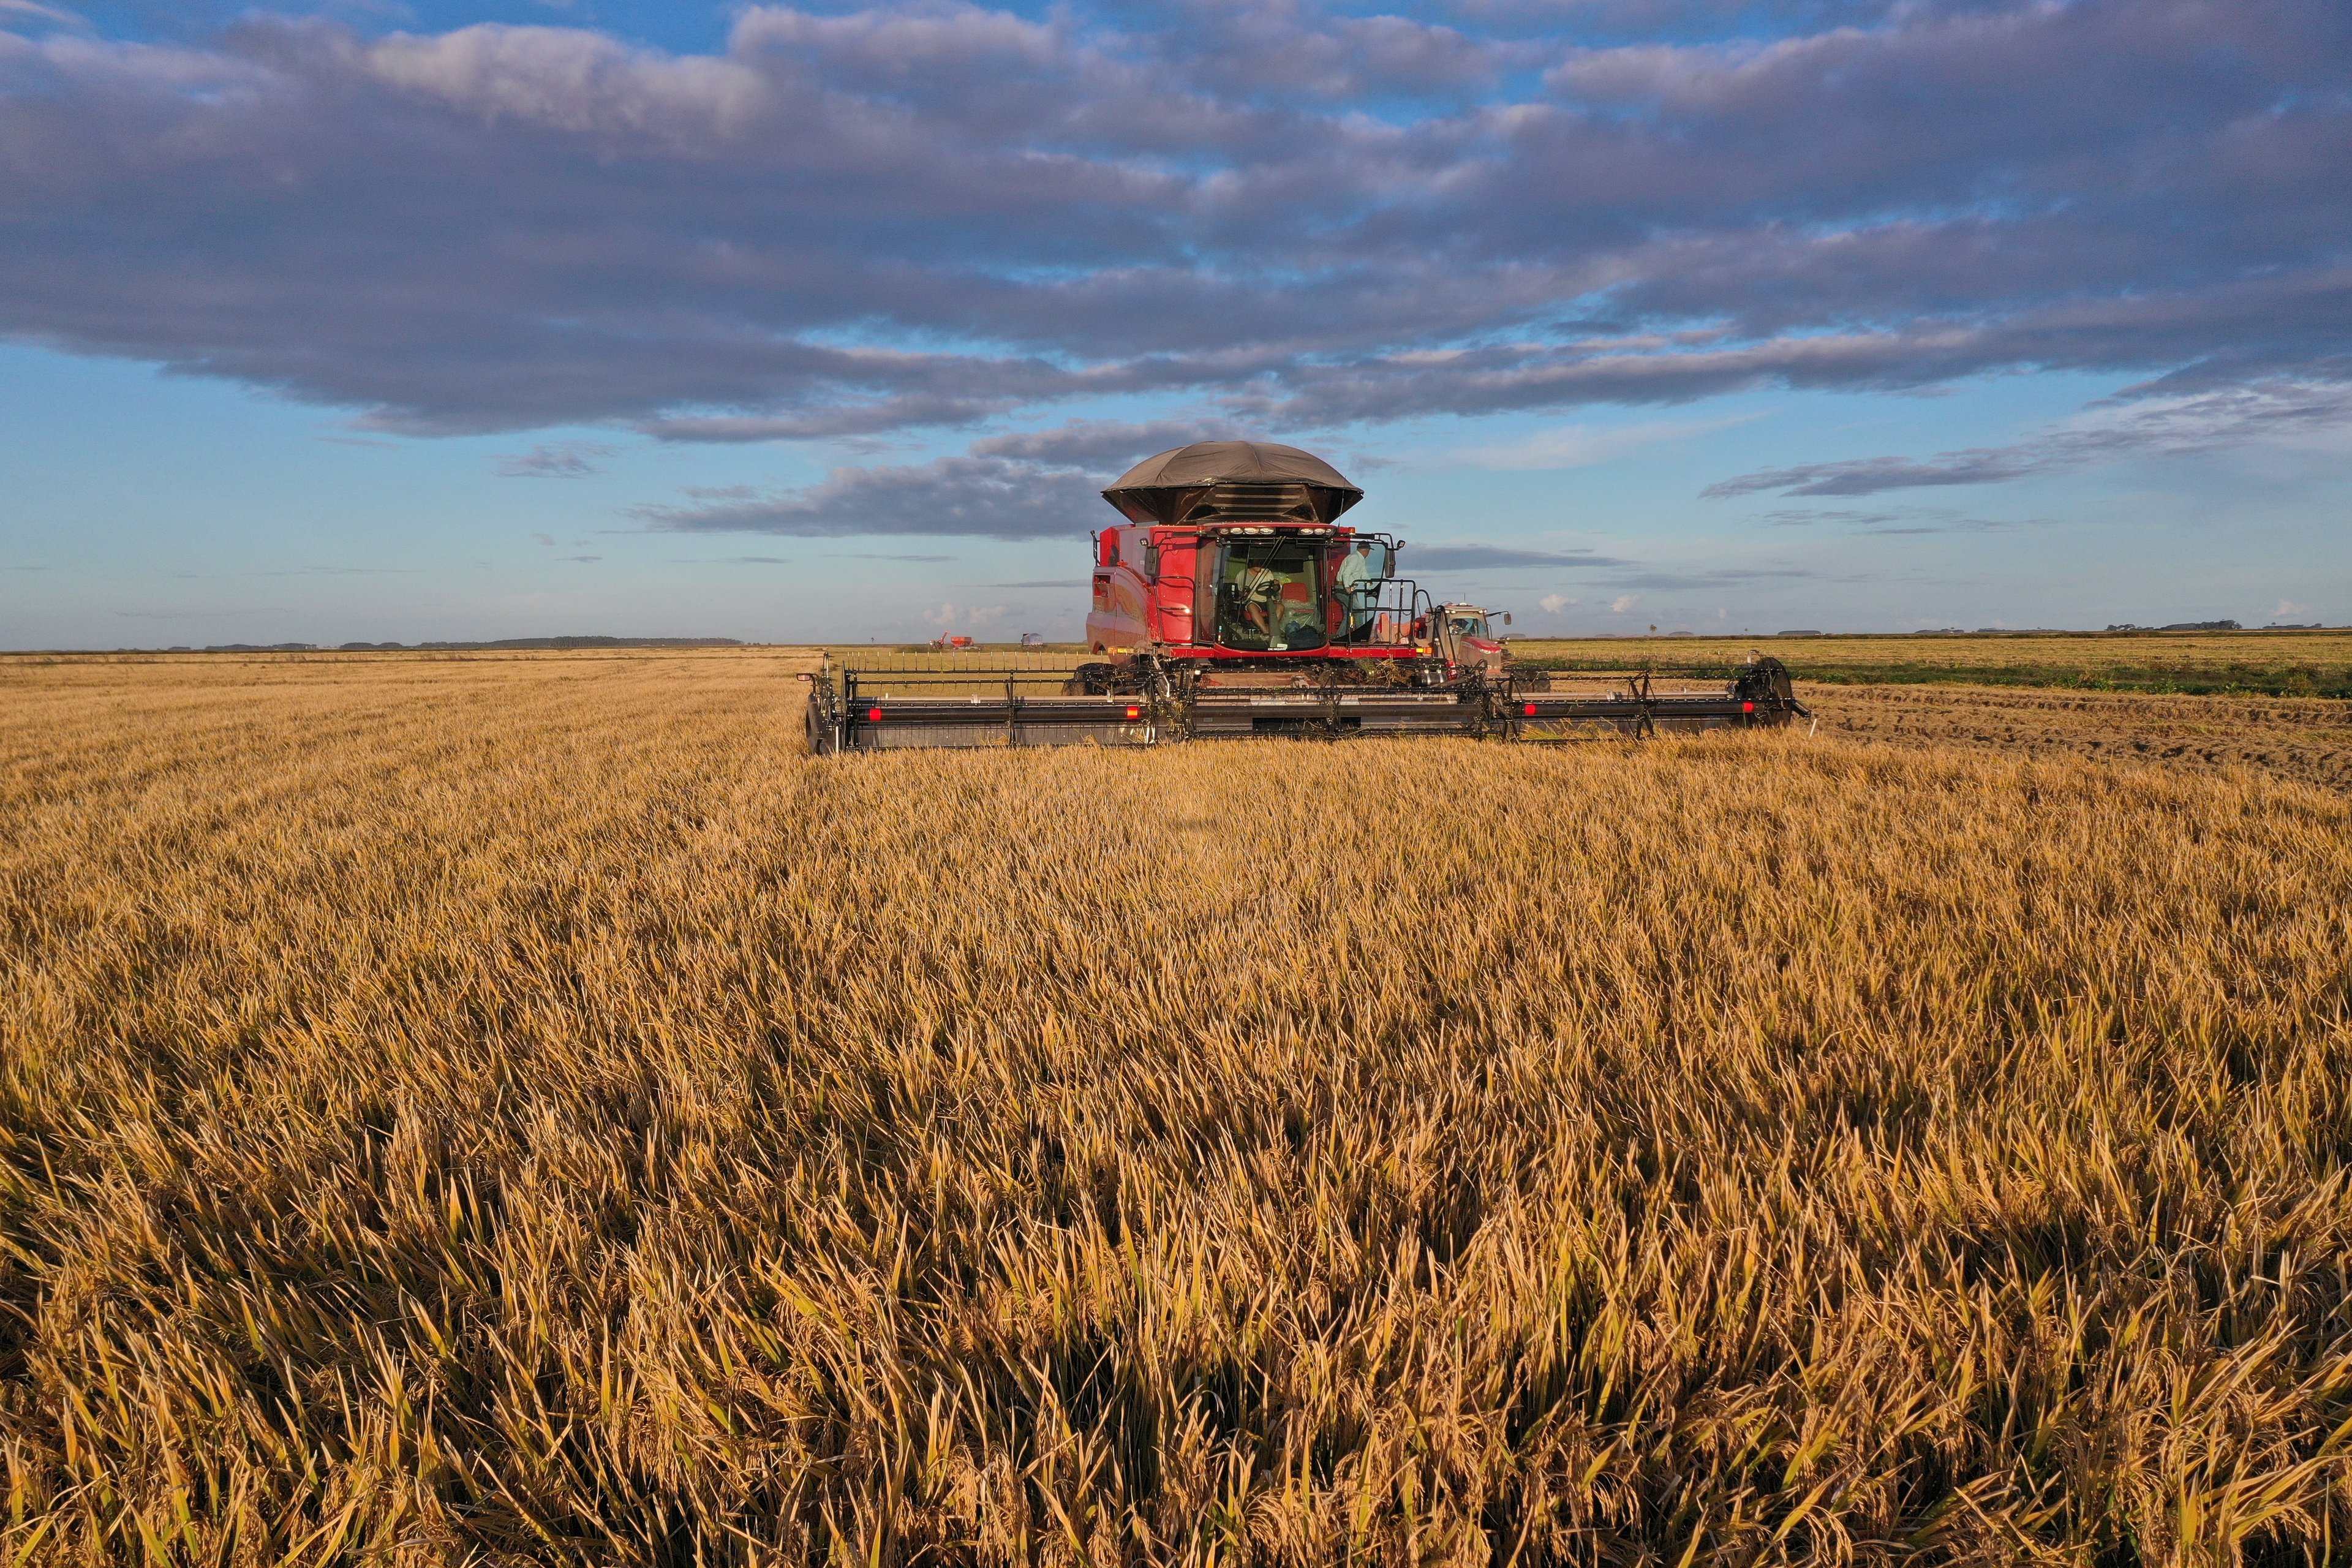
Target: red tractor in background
(1468,640)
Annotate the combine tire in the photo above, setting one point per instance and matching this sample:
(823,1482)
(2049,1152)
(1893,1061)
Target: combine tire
(1091,680)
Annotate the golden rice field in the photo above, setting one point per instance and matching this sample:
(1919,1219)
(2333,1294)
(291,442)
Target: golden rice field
(520,1109)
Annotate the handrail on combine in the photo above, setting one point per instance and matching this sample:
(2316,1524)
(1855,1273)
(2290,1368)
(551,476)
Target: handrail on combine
(1389,612)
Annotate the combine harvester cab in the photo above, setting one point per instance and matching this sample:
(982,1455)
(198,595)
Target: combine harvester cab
(1230,602)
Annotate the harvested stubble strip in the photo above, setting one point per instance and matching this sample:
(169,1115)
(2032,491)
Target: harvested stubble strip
(2305,663)
(528,1109)
(2298,738)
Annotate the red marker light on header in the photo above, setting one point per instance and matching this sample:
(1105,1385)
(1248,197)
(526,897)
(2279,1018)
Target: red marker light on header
(1747,708)
(874,715)
(1530,709)
(1133,711)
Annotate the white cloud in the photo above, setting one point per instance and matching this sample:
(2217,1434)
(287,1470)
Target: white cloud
(2289,607)
(1622,602)
(43,13)
(947,615)
(1553,603)
(1583,446)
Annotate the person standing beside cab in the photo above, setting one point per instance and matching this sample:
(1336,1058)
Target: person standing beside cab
(1359,585)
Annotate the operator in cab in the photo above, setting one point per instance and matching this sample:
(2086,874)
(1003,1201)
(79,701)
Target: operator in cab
(1260,592)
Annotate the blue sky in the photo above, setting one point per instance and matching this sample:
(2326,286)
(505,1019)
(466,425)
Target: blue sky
(384,323)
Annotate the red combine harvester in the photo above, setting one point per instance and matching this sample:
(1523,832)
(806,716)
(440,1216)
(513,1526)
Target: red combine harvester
(1232,601)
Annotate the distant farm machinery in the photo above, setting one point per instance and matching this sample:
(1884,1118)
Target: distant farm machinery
(1230,603)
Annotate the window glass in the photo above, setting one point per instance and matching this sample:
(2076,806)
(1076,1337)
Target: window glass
(1269,596)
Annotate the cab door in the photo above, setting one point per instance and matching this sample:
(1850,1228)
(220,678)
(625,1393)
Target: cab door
(1208,560)
(1169,589)
(1129,587)
(1101,635)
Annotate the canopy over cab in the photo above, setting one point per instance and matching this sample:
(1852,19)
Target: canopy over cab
(1233,481)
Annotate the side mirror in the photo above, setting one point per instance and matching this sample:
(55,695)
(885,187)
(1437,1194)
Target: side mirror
(1507,617)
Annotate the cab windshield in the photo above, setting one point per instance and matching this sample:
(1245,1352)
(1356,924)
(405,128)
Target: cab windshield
(1470,626)
(1270,595)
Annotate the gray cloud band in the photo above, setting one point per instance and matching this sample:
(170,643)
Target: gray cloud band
(1481,557)
(994,496)
(2155,426)
(504,228)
